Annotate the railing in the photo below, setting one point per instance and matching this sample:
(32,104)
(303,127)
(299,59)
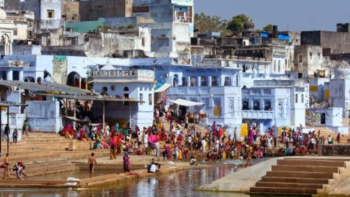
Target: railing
(124,73)
(254,114)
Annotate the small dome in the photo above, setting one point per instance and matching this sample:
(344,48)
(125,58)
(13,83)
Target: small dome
(108,66)
(3,14)
(249,25)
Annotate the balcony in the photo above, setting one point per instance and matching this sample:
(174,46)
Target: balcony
(254,114)
(123,75)
(204,90)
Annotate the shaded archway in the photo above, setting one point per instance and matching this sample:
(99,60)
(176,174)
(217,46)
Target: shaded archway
(6,42)
(47,76)
(73,79)
(29,79)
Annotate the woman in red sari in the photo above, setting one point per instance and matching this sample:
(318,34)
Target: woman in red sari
(82,133)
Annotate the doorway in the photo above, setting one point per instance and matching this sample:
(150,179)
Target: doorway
(323,118)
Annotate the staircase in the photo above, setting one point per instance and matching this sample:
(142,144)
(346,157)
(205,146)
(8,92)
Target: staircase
(299,177)
(328,132)
(45,153)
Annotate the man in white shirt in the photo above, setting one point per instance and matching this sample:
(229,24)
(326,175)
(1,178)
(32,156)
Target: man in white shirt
(269,140)
(153,168)
(204,144)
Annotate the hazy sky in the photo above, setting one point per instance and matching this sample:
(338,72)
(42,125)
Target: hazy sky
(301,14)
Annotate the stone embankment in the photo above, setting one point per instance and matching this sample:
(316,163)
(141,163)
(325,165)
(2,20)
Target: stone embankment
(289,176)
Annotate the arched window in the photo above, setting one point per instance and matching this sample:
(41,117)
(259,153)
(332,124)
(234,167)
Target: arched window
(214,81)
(245,105)
(73,79)
(126,89)
(228,81)
(39,80)
(244,68)
(204,81)
(267,106)
(256,105)
(105,91)
(193,81)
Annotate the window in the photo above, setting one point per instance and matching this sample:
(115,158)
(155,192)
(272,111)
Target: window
(143,42)
(204,81)
(214,82)
(279,65)
(176,80)
(150,99)
(267,106)
(163,42)
(228,81)
(141,99)
(256,105)
(274,65)
(184,81)
(310,55)
(296,98)
(245,105)
(126,96)
(302,98)
(50,13)
(193,81)
(300,58)
(319,55)
(105,91)
(126,89)
(286,63)
(244,68)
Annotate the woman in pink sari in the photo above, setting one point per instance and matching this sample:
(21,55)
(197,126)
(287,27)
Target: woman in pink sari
(251,136)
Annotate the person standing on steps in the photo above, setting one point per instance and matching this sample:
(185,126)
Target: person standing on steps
(6,166)
(25,128)
(14,136)
(92,164)
(7,133)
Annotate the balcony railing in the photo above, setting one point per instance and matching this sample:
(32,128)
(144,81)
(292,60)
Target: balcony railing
(254,114)
(124,73)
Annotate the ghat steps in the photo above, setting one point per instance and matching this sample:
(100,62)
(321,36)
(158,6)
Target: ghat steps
(301,177)
(45,153)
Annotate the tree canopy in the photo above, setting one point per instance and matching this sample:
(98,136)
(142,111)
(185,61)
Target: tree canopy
(205,23)
(236,24)
(268,28)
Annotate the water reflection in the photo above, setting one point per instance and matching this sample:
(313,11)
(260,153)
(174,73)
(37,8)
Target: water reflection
(180,184)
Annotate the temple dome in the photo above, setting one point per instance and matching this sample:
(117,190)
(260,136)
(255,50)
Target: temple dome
(3,14)
(249,25)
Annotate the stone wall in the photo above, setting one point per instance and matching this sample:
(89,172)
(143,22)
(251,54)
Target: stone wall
(338,42)
(334,150)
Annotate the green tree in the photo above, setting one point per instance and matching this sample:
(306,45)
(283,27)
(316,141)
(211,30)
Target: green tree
(236,24)
(205,23)
(268,28)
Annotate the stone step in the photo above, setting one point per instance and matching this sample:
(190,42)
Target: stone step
(285,168)
(295,180)
(321,175)
(288,191)
(289,185)
(297,162)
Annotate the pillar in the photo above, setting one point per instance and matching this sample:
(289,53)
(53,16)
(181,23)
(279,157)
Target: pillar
(21,75)
(9,75)
(199,81)
(188,81)
(79,83)
(209,81)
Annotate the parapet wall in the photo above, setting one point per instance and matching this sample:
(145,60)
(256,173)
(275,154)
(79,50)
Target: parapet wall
(334,150)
